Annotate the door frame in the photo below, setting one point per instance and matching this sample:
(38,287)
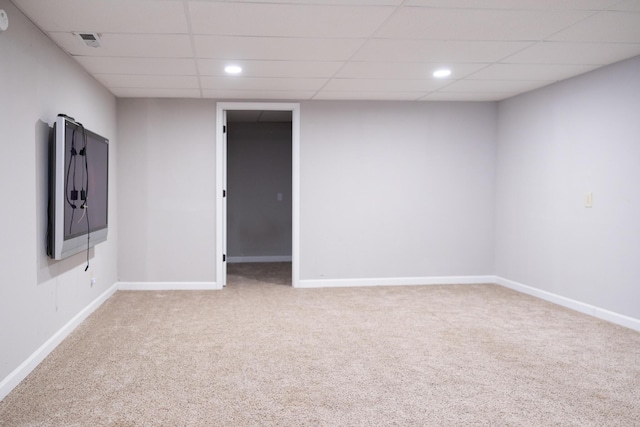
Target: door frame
(221,183)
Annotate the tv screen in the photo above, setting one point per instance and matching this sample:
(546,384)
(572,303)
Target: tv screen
(78,189)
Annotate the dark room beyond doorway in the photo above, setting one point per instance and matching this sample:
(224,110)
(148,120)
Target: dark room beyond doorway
(259,186)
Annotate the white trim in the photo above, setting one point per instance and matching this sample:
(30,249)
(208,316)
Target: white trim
(221,107)
(167,286)
(591,310)
(276,258)
(25,368)
(220,174)
(618,319)
(295,194)
(396,281)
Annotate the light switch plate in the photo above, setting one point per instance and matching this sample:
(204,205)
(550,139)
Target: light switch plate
(588,200)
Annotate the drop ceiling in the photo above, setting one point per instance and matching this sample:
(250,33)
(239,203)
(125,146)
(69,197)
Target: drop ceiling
(339,49)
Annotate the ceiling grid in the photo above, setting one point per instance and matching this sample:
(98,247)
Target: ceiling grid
(339,49)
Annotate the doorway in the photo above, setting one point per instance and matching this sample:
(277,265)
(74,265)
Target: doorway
(244,242)
(258,186)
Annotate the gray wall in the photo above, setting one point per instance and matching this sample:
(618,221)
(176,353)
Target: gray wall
(396,189)
(258,168)
(166,167)
(555,145)
(38,296)
(388,189)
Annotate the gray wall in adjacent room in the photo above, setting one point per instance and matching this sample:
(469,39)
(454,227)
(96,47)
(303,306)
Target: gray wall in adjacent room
(258,169)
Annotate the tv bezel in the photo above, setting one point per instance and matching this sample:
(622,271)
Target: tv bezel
(57,246)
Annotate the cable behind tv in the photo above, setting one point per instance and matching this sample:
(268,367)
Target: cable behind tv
(71,195)
(85,192)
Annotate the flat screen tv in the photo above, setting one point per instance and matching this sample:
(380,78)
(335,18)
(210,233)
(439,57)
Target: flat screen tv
(78,189)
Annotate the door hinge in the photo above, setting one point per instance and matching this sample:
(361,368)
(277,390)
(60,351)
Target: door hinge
(224,129)
(224,193)
(224,257)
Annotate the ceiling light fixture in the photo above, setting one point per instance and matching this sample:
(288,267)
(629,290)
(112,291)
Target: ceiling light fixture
(233,69)
(444,72)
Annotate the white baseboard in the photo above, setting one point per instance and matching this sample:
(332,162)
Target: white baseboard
(277,258)
(166,286)
(21,372)
(600,313)
(395,281)
(18,374)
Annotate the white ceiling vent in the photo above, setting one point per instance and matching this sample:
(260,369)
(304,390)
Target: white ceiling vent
(90,39)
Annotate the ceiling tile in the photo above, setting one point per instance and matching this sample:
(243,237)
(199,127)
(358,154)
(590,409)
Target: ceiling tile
(254,83)
(129,45)
(258,116)
(113,16)
(330,2)
(368,96)
(339,49)
(275,116)
(383,85)
(258,94)
(152,66)
(403,70)
(574,53)
(618,27)
(495,86)
(516,4)
(275,48)
(627,5)
(148,81)
(441,51)
(155,93)
(285,20)
(215,67)
(531,72)
(477,24)
(467,96)
(243,116)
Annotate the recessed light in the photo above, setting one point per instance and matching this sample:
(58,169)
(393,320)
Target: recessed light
(444,72)
(233,69)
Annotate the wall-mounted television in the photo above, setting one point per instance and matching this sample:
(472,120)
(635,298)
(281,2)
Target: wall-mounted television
(78,189)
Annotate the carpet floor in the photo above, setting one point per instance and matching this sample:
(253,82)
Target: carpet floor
(260,353)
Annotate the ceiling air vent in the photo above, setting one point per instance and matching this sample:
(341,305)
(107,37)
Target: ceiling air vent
(90,39)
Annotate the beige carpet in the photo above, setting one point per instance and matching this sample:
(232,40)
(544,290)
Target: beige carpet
(260,353)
